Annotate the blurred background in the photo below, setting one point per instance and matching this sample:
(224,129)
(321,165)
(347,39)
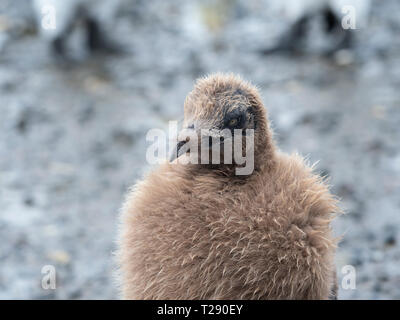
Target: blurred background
(76,103)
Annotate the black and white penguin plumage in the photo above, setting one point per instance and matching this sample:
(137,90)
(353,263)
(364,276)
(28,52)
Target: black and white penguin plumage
(331,13)
(58,19)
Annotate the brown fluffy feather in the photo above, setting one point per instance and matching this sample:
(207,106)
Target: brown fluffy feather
(189,232)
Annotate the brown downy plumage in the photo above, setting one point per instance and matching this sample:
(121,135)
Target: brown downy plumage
(202,232)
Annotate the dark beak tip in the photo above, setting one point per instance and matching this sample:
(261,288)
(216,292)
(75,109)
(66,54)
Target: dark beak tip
(177,151)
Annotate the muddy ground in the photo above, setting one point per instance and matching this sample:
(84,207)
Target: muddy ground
(72,138)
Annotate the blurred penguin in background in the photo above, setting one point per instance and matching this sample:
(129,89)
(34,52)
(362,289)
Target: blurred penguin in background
(59,20)
(334,23)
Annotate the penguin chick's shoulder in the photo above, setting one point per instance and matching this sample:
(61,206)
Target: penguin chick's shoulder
(198,232)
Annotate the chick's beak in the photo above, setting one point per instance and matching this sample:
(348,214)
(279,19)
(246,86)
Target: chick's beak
(192,131)
(183,137)
(177,151)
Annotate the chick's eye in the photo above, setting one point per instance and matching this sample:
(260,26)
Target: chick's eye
(233,122)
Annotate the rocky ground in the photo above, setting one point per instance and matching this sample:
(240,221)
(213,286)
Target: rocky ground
(72,138)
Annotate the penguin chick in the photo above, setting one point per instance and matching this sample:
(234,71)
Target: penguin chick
(201,232)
